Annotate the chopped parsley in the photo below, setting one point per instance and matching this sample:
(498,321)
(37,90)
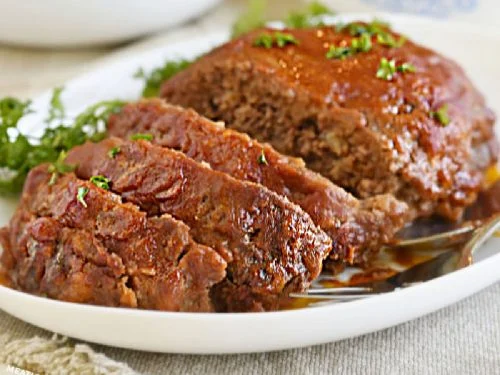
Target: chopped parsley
(100,181)
(338,52)
(406,68)
(81,194)
(278,39)
(375,28)
(153,80)
(20,153)
(441,115)
(113,152)
(262,158)
(388,40)
(362,44)
(252,19)
(56,110)
(307,17)
(142,137)
(388,68)
(59,167)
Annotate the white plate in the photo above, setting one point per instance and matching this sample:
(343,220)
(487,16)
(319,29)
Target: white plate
(55,23)
(252,332)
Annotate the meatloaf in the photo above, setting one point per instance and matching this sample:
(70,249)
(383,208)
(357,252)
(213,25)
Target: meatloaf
(413,125)
(357,228)
(271,246)
(76,242)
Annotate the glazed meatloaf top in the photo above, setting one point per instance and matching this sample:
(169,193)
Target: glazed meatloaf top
(420,131)
(73,241)
(271,246)
(357,228)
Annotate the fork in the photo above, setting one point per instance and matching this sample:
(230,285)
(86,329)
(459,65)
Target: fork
(449,261)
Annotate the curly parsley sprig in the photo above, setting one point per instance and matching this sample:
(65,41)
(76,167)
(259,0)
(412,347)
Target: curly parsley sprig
(20,153)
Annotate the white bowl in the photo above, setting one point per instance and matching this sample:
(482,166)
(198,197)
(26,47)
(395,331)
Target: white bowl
(68,23)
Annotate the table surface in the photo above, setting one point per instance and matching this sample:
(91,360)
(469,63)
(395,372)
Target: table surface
(461,339)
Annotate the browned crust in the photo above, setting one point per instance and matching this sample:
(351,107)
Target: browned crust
(268,242)
(366,134)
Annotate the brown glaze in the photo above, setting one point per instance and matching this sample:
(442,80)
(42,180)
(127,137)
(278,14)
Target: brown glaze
(357,228)
(107,253)
(272,247)
(369,135)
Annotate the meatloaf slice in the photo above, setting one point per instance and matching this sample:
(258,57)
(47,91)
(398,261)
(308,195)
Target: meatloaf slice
(76,242)
(271,246)
(370,135)
(357,228)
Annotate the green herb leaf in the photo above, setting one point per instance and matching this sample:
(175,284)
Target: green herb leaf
(56,110)
(153,80)
(406,68)
(389,40)
(441,115)
(19,154)
(386,69)
(339,52)
(262,159)
(113,152)
(278,39)
(363,43)
(264,40)
(100,181)
(306,17)
(283,39)
(82,193)
(252,19)
(143,137)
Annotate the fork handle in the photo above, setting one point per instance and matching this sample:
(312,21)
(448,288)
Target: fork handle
(479,237)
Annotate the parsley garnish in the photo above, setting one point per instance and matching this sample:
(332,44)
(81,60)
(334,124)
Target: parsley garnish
(338,52)
(113,152)
(388,40)
(262,158)
(388,68)
(100,181)
(362,44)
(82,193)
(252,19)
(278,39)
(157,76)
(141,136)
(441,115)
(20,153)
(306,17)
(406,68)
(56,110)
(59,167)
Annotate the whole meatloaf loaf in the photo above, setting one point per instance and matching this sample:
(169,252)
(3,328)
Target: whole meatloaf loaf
(271,246)
(357,228)
(373,113)
(73,241)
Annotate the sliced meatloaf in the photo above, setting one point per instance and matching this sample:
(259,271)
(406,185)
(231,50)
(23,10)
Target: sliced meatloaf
(76,242)
(425,136)
(271,246)
(357,228)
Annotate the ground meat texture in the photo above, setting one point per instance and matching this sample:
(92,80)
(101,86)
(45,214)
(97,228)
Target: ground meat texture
(104,252)
(357,228)
(271,246)
(367,134)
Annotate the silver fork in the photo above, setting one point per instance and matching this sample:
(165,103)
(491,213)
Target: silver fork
(442,264)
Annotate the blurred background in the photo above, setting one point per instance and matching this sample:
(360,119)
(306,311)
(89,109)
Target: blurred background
(45,42)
